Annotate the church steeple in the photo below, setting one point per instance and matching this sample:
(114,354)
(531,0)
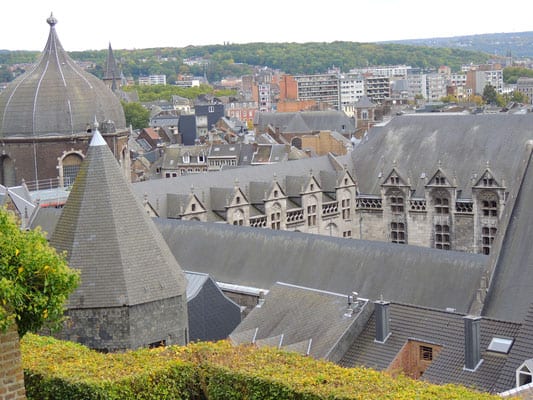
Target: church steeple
(112,76)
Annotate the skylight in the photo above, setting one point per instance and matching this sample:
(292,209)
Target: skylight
(500,345)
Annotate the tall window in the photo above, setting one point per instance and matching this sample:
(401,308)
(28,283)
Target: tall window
(71,166)
(397,232)
(311,215)
(345,207)
(442,205)
(7,171)
(396,203)
(487,238)
(489,205)
(275,217)
(442,237)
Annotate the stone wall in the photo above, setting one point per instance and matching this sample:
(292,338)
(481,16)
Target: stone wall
(11,375)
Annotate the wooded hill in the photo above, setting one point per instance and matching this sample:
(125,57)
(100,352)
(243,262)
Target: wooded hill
(238,59)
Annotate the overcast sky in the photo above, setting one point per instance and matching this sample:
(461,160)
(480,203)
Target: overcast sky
(93,24)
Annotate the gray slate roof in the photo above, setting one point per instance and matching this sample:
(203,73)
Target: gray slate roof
(109,237)
(511,289)
(521,351)
(435,327)
(462,143)
(305,121)
(212,315)
(56,97)
(298,315)
(156,190)
(260,257)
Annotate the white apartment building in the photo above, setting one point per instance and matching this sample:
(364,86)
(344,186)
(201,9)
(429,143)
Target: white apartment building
(416,84)
(386,70)
(153,80)
(352,88)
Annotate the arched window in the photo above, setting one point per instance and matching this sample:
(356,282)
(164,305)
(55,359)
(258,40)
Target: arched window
(7,171)
(297,142)
(71,165)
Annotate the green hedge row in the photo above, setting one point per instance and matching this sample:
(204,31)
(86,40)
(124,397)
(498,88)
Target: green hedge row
(56,369)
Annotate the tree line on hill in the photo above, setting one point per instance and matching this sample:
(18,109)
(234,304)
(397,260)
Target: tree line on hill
(239,59)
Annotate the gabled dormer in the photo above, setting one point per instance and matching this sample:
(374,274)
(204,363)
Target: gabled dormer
(311,185)
(275,192)
(487,180)
(194,206)
(345,179)
(238,199)
(440,179)
(394,179)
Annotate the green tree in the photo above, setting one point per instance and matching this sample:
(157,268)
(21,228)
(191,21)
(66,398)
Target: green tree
(490,96)
(136,115)
(35,280)
(519,97)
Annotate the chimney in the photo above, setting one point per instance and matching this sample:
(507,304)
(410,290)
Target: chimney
(472,342)
(381,312)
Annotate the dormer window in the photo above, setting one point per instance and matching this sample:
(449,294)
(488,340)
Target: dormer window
(440,180)
(238,200)
(488,181)
(275,193)
(312,187)
(186,158)
(201,157)
(394,180)
(193,207)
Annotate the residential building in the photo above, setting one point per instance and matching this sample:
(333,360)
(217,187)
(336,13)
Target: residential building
(322,88)
(153,80)
(377,88)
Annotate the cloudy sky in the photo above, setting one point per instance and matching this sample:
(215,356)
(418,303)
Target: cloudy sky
(93,24)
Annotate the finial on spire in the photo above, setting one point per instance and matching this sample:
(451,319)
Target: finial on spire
(95,123)
(51,20)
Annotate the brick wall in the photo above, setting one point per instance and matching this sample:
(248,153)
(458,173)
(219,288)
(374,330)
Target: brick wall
(11,375)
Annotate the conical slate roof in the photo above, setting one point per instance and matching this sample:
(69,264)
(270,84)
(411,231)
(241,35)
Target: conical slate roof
(56,97)
(109,237)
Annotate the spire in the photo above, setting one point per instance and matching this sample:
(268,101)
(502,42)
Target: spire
(112,75)
(103,228)
(97,139)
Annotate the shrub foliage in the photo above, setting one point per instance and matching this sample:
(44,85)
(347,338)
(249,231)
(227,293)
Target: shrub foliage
(56,369)
(35,281)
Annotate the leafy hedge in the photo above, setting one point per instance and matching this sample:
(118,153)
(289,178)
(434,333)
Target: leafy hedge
(64,370)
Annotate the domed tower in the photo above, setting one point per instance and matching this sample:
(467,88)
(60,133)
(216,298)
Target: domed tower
(46,115)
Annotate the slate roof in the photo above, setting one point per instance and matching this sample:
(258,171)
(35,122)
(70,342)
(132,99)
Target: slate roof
(56,97)
(261,257)
(109,237)
(511,287)
(438,327)
(462,143)
(521,351)
(157,189)
(212,315)
(293,315)
(305,121)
